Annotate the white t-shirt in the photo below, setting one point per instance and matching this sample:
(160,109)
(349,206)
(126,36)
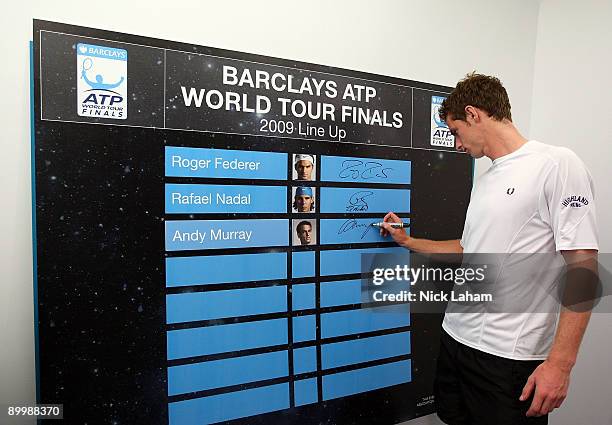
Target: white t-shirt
(537,199)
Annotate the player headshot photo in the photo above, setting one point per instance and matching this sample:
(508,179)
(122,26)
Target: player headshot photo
(304,167)
(304,232)
(303,199)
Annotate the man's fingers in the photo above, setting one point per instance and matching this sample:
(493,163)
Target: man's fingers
(527,389)
(547,406)
(536,405)
(391,217)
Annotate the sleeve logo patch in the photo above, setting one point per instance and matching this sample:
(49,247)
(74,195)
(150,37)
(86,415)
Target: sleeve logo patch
(575,201)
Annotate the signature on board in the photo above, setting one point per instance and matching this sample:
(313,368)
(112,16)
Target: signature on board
(357,201)
(355,169)
(351,224)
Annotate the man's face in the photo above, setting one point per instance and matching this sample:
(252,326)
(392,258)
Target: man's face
(303,203)
(304,233)
(304,170)
(467,137)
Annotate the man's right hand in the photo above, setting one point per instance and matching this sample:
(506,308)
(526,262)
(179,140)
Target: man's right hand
(399,235)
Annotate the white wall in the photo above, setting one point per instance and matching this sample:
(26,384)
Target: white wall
(437,42)
(573,67)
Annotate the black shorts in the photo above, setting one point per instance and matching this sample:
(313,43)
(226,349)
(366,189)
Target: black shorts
(476,388)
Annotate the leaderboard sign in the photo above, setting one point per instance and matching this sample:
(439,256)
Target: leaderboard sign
(201,218)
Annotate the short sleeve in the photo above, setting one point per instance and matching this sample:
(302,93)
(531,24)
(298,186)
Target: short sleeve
(569,204)
(464,235)
(466,226)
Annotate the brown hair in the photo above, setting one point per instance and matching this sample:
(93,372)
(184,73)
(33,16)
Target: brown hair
(302,224)
(481,91)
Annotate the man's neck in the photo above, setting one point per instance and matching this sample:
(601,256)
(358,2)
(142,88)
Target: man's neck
(502,139)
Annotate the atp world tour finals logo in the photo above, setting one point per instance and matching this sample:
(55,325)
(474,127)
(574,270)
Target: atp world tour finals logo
(102,82)
(440,134)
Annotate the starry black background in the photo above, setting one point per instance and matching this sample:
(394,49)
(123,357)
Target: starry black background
(99,206)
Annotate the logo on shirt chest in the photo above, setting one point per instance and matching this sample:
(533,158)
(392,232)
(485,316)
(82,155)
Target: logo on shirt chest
(575,201)
(510,191)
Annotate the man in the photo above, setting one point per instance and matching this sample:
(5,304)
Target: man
(511,368)
(303,201)
(304,232)
(304,165)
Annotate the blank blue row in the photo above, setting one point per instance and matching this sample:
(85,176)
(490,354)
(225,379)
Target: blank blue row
(341,292)
(185,271)
(304,360)
(304,328)
(367,379)
(192,342)
(348,261)
(193,306)
(303,296)
(189,378)
(364,349)
(303,264)
(364,320)
(305,391)
(228,406)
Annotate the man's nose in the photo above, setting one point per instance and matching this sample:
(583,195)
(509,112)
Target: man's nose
(458,144)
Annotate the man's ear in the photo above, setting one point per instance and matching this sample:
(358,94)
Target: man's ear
(472,114)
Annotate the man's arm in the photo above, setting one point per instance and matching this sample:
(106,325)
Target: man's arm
(424,246)
(551,378)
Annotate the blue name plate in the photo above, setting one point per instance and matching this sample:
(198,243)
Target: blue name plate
(363,200)
(219,234)
(365,170)
(223,163)
(205,198)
